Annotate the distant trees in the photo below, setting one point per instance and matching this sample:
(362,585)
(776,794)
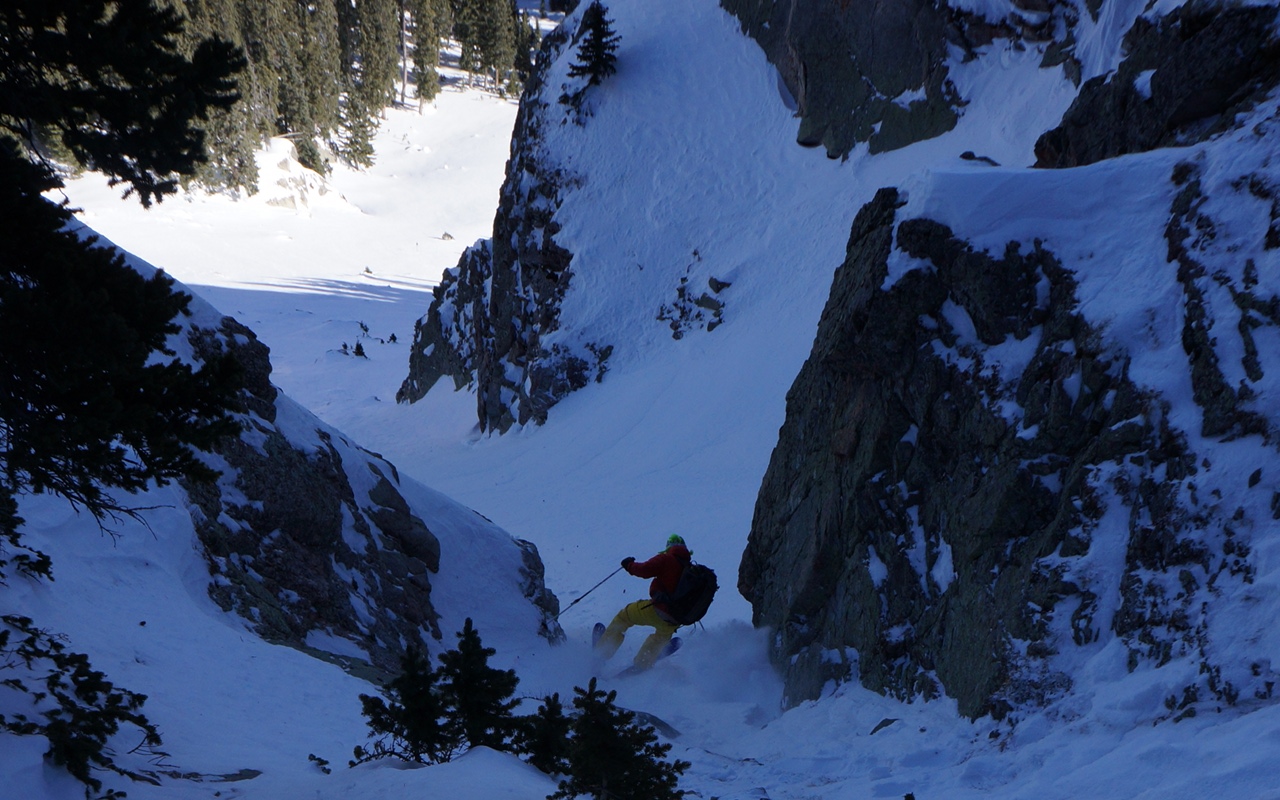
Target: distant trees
(426,24)
(321,72)
(496,41)
(318,72)
(528,41)
(109,84)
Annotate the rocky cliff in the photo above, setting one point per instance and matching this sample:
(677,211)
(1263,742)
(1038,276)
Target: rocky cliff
(1185,77)
(1004,456)
(860,71)
(319,545)
(490,314)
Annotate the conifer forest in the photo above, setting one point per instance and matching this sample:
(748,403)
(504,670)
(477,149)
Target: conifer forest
(320,72)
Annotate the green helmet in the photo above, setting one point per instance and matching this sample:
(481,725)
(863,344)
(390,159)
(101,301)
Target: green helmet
(675,539)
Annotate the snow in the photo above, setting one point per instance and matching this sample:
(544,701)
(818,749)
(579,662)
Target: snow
(689,149)
(1142,83)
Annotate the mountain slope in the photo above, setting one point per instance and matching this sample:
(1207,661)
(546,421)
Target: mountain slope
(677,211)
(678,434)
(305,540)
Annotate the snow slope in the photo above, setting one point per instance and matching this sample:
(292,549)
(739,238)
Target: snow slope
(675,439)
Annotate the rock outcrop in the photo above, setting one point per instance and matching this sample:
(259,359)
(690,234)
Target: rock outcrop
(490,313)
(311,540)
(972,487)
(1185,77)
(860,71)
(960,450)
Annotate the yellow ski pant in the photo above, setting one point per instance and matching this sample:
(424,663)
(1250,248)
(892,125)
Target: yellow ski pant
(640,612)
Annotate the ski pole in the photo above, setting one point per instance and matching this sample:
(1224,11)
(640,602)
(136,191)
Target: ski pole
(589,591)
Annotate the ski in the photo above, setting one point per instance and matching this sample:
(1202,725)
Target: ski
(672,647)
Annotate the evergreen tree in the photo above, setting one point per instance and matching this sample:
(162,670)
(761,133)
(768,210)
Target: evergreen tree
(467,26)
(596,59)
(413,723)
(91,398)
(294,110)
(543,738)
(317,66)
(528,40)
(477,695)
(84,402)
(231,134)
(354,143)
(495,39)
(322,62)
(429,21)
(379,22)
(348,41)
(108,78)
(613,758)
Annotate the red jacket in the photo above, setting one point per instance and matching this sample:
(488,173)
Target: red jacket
(665,568)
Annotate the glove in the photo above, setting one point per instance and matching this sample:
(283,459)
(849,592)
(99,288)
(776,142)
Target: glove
(627,562)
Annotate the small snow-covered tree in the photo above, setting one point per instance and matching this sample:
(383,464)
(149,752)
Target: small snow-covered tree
(596,51)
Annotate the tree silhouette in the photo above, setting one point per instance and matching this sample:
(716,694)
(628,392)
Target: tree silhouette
(477,695)
(543,738)
(613,758)
(92,397)
(596,59)
(413,723)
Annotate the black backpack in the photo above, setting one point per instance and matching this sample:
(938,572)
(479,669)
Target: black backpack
(693,594)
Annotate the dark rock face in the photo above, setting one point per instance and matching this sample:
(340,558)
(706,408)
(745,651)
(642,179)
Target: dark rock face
(1185,77)
(960,442)
(950,450)
(845,63)
(535,589)
(296,548)
(490,313)
(1225,408)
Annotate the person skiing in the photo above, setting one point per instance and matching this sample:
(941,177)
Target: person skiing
(665,569)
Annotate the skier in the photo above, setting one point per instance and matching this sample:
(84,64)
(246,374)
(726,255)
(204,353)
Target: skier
(665,568)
